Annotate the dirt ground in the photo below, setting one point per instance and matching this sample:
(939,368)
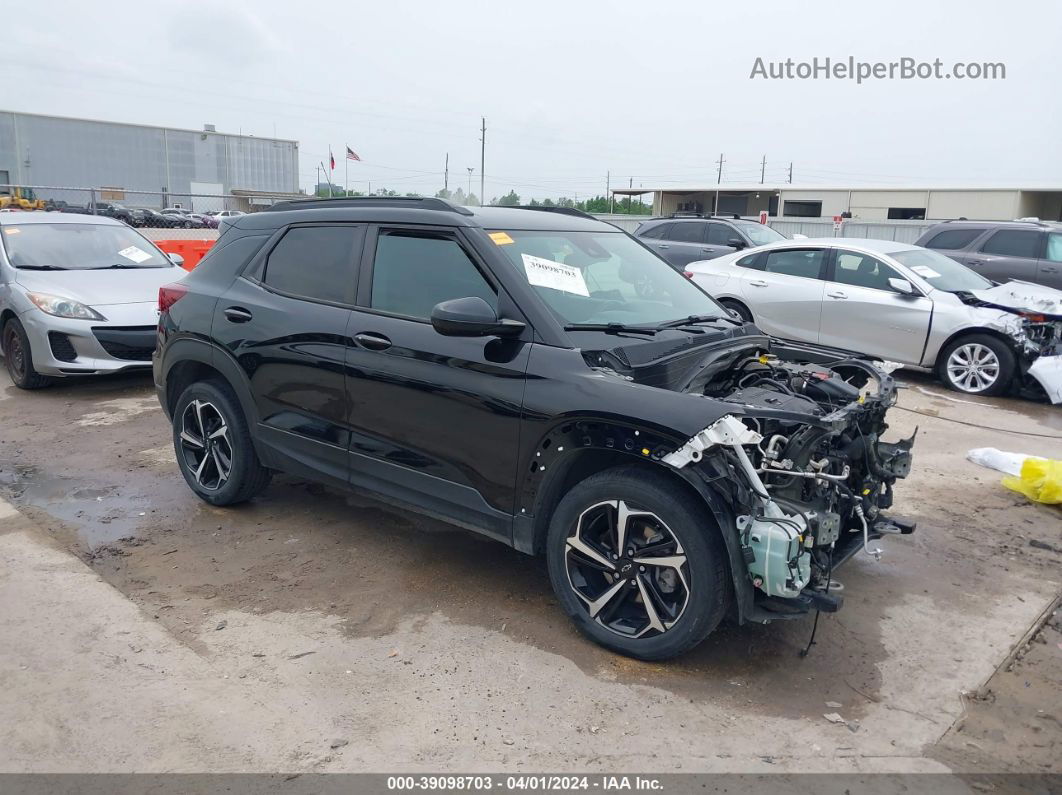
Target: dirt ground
(318,631)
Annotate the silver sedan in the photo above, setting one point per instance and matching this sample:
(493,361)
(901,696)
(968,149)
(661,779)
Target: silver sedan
(78,296)
(897,302)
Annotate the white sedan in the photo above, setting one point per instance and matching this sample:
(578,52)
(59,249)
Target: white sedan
(899,302)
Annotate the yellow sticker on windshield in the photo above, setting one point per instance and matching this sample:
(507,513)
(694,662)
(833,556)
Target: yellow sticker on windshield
(12,230)
(501,238)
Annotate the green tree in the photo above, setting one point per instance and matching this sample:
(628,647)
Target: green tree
(510,199)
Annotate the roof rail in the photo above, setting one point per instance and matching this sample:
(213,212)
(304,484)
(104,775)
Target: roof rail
(560,210)
(731,217)
(681,214)
(422,203)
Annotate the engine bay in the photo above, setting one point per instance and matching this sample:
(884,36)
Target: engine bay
(810,474)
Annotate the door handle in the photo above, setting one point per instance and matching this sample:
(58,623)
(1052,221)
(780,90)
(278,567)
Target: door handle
(975,262)
(837,294)
(758,283)
(237,314)
(374,342)
(660,245)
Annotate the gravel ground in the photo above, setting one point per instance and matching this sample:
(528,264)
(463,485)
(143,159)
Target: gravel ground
(311,630)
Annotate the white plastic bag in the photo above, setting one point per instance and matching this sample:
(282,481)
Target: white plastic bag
(990,457)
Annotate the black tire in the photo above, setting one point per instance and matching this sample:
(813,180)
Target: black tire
(954,377)
(737,306)
(18,356)
(187,224)
(677,513)
(246,476)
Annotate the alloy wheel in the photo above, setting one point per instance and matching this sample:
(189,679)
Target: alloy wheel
(206,448)
(628,569)
(973,367)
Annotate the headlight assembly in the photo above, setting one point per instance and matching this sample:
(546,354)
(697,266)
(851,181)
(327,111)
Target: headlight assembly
(58,306)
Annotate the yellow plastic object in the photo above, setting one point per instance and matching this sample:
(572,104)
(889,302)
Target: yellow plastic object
(1040,480)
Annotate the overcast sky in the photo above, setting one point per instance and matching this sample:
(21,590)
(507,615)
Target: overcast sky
(651,91)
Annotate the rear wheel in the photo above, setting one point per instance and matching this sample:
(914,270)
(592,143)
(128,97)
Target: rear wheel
(19,357)
(978,364)
(742,310)
(213,445)
(636,563)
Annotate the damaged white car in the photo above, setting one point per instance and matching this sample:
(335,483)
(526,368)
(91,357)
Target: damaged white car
(901,303)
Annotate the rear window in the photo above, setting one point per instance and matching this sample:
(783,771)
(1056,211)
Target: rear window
(79,247)
(954,239)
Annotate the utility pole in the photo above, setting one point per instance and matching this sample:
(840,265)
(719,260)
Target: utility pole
(470,169)
(482,160)
(317,184)
(763,169)
(719,175)
(446,174)
(608,191)
(630,198)
(790,180)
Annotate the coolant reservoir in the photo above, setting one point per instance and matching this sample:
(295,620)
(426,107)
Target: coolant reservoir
(780,562)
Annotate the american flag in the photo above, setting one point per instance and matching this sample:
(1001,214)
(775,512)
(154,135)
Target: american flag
(352,155)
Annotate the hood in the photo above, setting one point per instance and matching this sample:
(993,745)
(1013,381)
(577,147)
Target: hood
(1022,297)
(102,287)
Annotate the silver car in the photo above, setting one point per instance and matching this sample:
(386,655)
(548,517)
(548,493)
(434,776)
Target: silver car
(898,302)
(78,296)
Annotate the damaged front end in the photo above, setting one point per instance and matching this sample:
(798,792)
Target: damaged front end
(802,463)
(1031,317)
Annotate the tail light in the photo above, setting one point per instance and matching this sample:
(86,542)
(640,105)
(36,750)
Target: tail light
(687,274)
(169,295)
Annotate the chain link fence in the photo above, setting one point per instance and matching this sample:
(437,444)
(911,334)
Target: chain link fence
(160,209)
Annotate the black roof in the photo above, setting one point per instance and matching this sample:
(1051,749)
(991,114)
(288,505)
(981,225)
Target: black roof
(382,209)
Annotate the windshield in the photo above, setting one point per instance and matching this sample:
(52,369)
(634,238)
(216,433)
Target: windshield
(603,277)
(761,234)
(79,247)
(942,272)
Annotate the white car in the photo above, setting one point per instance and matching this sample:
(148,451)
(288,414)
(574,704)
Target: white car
(78,296)
(898,302)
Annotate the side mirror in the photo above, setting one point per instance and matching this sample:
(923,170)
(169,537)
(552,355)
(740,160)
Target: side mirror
(176,259)
(902,286)
(471,317)
(736,243)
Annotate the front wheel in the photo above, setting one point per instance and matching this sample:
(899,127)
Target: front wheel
(18,356)
(213,445)
(738,307)
(978,364)
(637,563)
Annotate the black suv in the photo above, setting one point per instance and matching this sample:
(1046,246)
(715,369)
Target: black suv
(540,377)
(1029,251)
(683,238)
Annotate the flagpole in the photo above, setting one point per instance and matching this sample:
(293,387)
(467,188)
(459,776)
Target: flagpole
(346,169)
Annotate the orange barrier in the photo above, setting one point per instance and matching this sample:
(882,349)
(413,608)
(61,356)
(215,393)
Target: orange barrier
(191,250)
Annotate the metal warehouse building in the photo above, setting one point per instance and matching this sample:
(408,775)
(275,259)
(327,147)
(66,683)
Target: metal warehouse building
(169,163)
(864,203)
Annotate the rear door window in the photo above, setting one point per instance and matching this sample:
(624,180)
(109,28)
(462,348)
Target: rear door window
(1013,243)
(805,262)
(315,262)
(688,232)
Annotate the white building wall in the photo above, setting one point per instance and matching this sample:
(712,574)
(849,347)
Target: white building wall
(996,205)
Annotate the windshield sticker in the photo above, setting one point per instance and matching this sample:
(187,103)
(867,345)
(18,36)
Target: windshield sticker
(501,238)
(12,230)
(135,254)
(555,275)
(925,271)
